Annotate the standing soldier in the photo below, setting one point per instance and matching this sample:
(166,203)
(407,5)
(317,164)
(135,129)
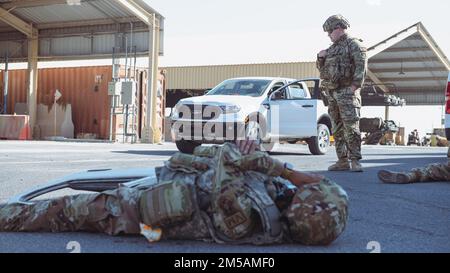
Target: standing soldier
(342,69)
(215,194)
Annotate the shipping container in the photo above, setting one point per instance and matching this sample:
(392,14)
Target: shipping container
(86,89)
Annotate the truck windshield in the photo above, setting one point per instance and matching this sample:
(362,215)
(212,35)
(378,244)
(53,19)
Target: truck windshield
(239,87)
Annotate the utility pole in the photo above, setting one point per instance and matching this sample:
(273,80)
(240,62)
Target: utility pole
(5,86)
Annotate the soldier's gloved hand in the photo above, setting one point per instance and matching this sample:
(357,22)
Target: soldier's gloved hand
(300,178)
(247,146)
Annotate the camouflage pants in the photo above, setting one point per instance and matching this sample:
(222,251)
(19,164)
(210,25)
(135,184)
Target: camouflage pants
(112,212)
(432,172)
(344,109)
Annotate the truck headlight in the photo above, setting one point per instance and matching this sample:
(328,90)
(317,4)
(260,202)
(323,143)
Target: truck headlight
(176,111)
(227,109)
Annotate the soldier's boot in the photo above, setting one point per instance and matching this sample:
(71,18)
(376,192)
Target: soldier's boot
(340,165)
(396,177)
(356,166)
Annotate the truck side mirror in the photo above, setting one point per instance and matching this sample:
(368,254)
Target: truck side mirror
(277,95)
(271,96)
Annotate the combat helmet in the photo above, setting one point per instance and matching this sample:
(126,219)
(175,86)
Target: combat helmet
(318,213)
(335,21)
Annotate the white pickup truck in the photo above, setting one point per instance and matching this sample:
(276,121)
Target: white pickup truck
(269,109)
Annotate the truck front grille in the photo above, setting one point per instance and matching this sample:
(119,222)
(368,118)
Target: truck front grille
(199,112)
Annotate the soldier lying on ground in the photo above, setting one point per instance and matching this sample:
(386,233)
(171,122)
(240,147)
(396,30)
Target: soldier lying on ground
(217,194)
(430,173)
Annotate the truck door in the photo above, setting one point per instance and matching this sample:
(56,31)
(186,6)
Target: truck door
(294,111)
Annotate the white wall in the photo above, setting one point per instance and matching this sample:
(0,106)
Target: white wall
(422,118)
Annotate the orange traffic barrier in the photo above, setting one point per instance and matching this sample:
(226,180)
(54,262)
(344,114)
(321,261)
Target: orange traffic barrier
(15,127)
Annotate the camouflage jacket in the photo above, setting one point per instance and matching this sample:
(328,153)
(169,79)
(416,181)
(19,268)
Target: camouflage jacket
(344,65)
(221,166)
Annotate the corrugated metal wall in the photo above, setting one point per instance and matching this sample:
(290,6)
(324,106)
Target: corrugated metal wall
(17,82)
(85,88)
(204,77)
(63,42)
(433,97)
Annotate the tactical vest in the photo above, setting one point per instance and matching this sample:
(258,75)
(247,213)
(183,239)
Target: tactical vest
(339,68)
(179,198)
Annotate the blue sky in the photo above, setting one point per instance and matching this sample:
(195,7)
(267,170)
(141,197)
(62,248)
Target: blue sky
(204,32)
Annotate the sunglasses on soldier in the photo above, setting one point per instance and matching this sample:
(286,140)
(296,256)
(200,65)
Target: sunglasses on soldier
(331,31)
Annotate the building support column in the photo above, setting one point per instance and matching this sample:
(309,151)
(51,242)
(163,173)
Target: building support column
(33,46)
(157,133)
(5,85)
(151,135)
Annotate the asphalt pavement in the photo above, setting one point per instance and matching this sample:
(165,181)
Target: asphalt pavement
(383,218)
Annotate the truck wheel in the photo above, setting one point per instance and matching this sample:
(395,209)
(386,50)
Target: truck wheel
(319,145)
(267,147)
(186,146)
(254,130)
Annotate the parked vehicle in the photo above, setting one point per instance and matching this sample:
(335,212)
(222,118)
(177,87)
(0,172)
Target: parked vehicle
(375,129)
(267,109)
(373,95)
(447,109)
(413,138)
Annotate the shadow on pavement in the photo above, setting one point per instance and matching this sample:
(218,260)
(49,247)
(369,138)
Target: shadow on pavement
(287,153)
(150,152)
(399,161)
(391,164)
(412,154)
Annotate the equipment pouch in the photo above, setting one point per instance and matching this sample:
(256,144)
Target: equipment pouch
(167,204)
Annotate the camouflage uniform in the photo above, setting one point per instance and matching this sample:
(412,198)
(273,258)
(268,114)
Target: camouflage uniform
(431,173)
(344,65)
(215,194)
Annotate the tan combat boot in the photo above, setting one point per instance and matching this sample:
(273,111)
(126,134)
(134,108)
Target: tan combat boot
(356,166)
(340,165)
(395,178)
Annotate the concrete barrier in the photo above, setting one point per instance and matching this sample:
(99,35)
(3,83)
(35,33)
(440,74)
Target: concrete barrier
(46,121)
(15,127)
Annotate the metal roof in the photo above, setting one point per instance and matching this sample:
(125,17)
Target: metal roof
(86,28)
(408,64)
(409,61)
(39,12)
